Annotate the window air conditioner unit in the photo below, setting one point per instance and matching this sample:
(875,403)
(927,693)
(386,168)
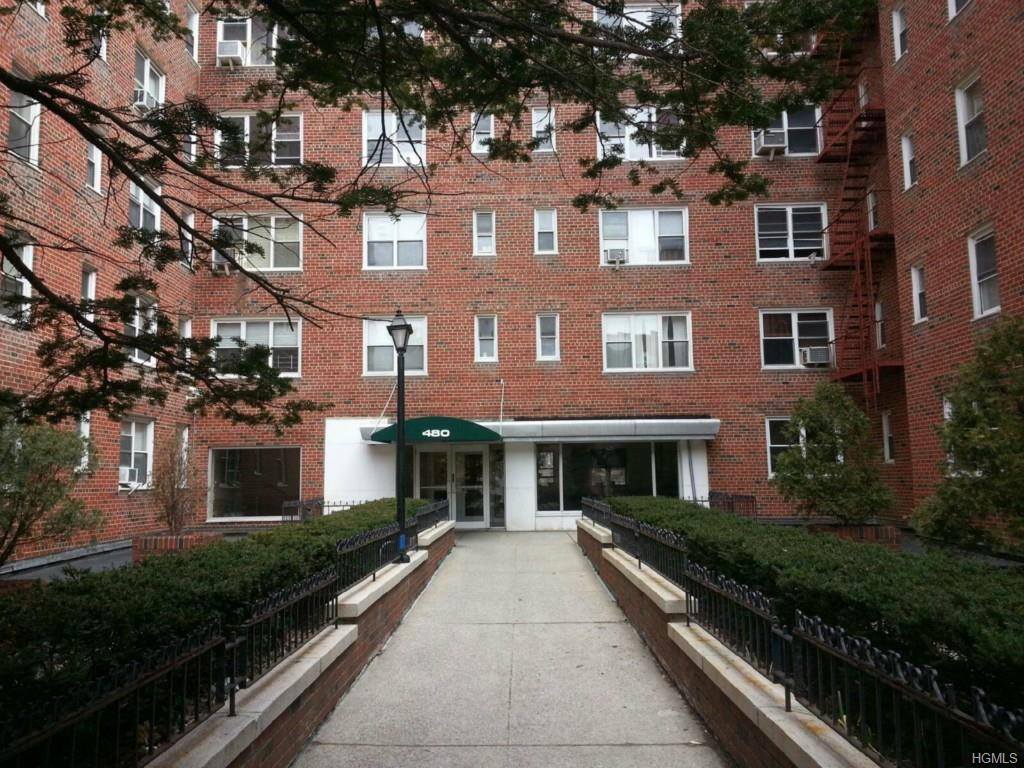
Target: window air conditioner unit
(231,52)
(127,475)
(220,266)
(768,142)
(616,256)
(815,355)
(143,100)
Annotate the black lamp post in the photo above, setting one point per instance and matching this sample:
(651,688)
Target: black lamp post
(400,331)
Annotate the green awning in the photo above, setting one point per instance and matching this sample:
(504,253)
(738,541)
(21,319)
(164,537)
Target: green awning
(438,429)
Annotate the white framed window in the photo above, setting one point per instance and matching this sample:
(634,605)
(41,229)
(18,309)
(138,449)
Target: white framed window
(257,37)
(135,460)
(790,232)
(623,139)
(483,133)
(548,336)
(984,272)
(191,36)
(796,338)
(647,342)
(863,92)
(543,122)
(88,291)
(888,439)
(640,16)
(143,212)
(879,325)
(900,43)
(390,139)
(23,127)
(970,120)
(279,239)
(909,162)
(483,233)
(379,356)
(142,321)
(394,242)
(871,206)
(485,347)
(800,127)
(84,428)
(955,6)
(185,333)
(282,339)
(264,142)
(149,83)
(920,297)
(644,237)
(190,146)
(93,168)
(188,245)
(775,428)
(252,483)
(14,286)
(545,230)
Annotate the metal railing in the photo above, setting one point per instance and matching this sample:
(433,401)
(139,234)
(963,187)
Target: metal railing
(734,503)
(126,719)
(432,514)
(897,713)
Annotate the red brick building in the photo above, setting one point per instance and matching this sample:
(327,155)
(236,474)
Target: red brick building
(654,349)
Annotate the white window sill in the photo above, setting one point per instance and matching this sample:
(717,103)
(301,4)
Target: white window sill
(648,370)
(548,359)
(796,155)
(809,368)
(250,519)
(394,269)
(133,487)
(545,253)
(920,320)
(30,163)
(988,313)
(391,374)
(907,189)
(485,360)
(970,161)
(367,164)
(235,376)
(647,264)
(889,461)
(790,260)
(485,254)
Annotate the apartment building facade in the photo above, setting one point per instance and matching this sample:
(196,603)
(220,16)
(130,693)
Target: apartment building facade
(653,349)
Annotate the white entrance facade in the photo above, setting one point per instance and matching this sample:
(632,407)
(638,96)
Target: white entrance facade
(535,477)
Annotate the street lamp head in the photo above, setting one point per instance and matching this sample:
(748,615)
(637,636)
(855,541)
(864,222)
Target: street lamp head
(400,331)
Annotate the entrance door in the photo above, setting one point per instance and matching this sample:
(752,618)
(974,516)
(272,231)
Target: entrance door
(469,486)
(433,475)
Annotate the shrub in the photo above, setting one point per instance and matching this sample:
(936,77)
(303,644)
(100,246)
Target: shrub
(58,636)
(965,619)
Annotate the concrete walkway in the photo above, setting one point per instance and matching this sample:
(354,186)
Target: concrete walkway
(515,656)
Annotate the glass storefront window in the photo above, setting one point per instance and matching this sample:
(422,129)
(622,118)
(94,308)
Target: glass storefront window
(548,480)
(497,467)
(254,482)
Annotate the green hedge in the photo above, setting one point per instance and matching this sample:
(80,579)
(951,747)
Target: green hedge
(55,637)
(964,618)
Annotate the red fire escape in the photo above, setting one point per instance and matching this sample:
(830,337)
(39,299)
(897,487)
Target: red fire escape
(853,135)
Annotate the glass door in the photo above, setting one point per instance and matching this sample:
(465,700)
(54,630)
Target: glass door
(433,475)
(470,487)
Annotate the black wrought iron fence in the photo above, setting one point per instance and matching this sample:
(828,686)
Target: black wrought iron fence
(897,713)
(127,719)
(737,504)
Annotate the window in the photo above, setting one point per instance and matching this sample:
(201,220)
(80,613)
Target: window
(98,47)
(188,245)
(84,429)
(185,333)
(13,286)
(778,443)
(888,440)
(544,128)
(392,139)
(93,168)
(646,342)
(545,230)
(899,32)
(790,232)
(970,121)
(794,42)
(379,356)
(136,453)
(143,212)
(879,325)
(483,233)
(801,129)
(486,347)
(253,482)
(863,93)
(919,295)
(142,321)
(628,141)
(871,204)
(279,239)
(984,272)
(38,6)
(644,237)
(258,37)
(391,242)
(191,36)
(909,162)
(149,83)
(955,6)
(483,133)
(260,141)
(281,338)
(568,472)
(796,338)
(88,292)
(548,342)
(23,128)
(639,16)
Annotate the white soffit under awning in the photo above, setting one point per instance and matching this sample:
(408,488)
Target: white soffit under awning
(572,431)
